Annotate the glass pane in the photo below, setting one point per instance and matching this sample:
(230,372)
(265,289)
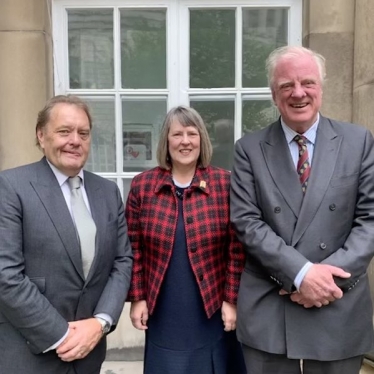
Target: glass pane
(212,48)
(103,153)
(219,119)
(143,48)
(263,31)
(258,114)
(126,188)
(142,121)
(90,34)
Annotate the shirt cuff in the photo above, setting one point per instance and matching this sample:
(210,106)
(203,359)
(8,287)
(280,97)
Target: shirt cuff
(301,274)
(54,346)
(106,317)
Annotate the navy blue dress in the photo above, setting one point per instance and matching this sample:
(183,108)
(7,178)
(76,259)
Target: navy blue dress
(180,338)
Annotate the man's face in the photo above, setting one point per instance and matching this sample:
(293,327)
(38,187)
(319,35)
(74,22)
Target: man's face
(297,91)
(66,138)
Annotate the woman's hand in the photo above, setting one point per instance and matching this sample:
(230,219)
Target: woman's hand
(229,316)
(139,314)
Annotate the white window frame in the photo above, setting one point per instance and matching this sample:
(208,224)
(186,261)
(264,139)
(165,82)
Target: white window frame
(177,60)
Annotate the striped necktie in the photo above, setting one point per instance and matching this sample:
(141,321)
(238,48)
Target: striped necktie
(303,165)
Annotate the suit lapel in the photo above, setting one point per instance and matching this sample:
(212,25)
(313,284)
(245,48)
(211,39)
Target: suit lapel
(279,162)
(52,198)
(324,159)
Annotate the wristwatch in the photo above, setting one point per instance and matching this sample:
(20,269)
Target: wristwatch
(105,325)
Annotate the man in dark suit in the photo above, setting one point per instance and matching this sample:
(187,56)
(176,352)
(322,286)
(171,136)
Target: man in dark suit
(65,258)
(302,202)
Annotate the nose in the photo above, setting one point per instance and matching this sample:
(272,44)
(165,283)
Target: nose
(185,139)
(298,91)
(74,138)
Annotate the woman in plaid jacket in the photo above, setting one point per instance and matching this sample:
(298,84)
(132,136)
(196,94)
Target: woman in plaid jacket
(187,259)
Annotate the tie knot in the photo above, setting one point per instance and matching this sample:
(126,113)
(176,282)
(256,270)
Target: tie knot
(300,140)
(74,182)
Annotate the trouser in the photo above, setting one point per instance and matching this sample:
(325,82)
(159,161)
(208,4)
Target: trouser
(259,362)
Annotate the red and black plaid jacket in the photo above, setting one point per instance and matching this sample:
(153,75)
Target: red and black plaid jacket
(216,256)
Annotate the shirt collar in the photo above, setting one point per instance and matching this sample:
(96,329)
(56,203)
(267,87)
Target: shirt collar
(310,134)
(61,177)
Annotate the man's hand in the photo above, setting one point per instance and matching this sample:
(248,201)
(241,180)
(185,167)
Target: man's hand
(318,287)
(82,339)
(228,316)
(139,314)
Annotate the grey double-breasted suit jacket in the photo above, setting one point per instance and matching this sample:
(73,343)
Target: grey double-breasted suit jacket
(332,224)
(42,286)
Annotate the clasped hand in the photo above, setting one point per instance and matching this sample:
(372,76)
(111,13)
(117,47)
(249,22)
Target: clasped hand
(318,287)
(82,338)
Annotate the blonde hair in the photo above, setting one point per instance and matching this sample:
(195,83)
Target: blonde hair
(186,116)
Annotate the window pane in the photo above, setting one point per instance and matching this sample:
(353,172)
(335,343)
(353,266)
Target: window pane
(212,48)
(90,34)
(142,121)
(263,31)
(103,155)
(143,48)
(219,119)
(258,114)
(126,188)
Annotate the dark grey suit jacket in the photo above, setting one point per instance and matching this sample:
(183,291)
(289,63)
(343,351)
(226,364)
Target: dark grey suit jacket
(333,224)
(42,286)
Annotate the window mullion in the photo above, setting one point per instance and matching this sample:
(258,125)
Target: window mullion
(184,53)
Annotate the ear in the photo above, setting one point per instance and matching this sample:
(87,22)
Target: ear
(273,96)
(40,135)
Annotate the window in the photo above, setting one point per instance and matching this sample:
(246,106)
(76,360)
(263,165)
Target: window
(134,60)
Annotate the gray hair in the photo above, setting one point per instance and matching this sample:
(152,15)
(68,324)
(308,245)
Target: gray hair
(186,116)
(293,51)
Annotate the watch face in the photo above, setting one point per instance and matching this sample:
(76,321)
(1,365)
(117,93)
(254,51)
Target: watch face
(106,328)
(105,325)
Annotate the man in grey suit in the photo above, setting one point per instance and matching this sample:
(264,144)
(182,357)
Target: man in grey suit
(63,278)
(302,203)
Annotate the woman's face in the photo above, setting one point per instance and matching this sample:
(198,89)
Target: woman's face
(184,144)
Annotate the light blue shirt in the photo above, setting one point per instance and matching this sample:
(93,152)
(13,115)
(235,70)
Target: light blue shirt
(63,182)
(310,136)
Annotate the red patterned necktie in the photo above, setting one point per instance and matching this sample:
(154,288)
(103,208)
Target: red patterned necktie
(303,166)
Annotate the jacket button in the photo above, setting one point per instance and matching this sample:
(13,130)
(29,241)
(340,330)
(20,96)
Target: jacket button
(332,207)
(189,219)
(193,249)
(201,277)
(277,209)
(323,246)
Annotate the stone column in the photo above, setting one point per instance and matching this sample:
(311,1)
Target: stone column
(363,84)
(328,28)
(25,76)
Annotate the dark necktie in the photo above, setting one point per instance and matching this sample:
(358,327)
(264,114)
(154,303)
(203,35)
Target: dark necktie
(303,165)
(84,224)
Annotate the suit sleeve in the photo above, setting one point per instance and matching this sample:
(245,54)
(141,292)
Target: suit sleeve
(137,289)
(114,294)
(22,304)
(281,261)
(358,249)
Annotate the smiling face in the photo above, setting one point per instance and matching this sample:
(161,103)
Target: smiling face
(183,145)
(66,138)
(297,91)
